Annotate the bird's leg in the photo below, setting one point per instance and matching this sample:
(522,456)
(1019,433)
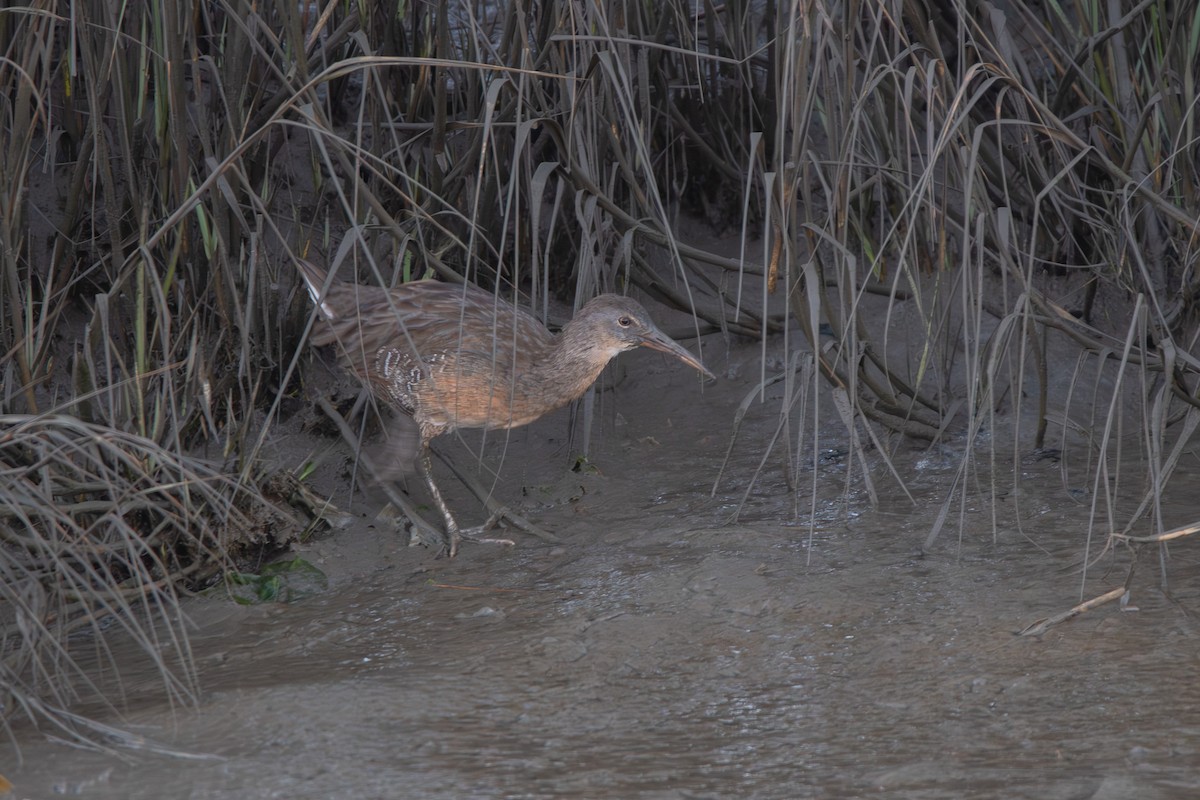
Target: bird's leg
(453,534)
(498,510)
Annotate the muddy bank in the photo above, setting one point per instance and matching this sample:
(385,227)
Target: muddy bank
(663,651)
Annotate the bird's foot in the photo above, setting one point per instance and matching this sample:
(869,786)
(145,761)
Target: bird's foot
(473,535)
(444,542)
(455,536)
(499,510)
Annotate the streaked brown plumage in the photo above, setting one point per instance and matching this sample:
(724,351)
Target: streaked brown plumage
(455,356)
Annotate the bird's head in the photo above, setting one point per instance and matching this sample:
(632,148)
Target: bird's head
(613,324)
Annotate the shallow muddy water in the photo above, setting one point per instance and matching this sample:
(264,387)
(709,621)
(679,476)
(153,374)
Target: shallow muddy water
(665,651)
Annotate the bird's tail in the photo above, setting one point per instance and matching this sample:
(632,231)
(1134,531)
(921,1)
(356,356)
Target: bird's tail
(316,280)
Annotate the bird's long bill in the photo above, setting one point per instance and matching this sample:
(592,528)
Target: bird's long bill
(657,340)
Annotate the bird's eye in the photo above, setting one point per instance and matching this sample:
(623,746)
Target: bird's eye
(625,322)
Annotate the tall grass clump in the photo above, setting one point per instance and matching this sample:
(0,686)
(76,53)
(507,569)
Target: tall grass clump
(101,530)
(1016,182)
(945,199)
(138,352)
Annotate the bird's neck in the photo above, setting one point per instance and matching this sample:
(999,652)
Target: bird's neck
(565,369)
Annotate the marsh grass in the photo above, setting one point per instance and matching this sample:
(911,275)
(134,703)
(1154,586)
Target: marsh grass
(955,193)
(101,530)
